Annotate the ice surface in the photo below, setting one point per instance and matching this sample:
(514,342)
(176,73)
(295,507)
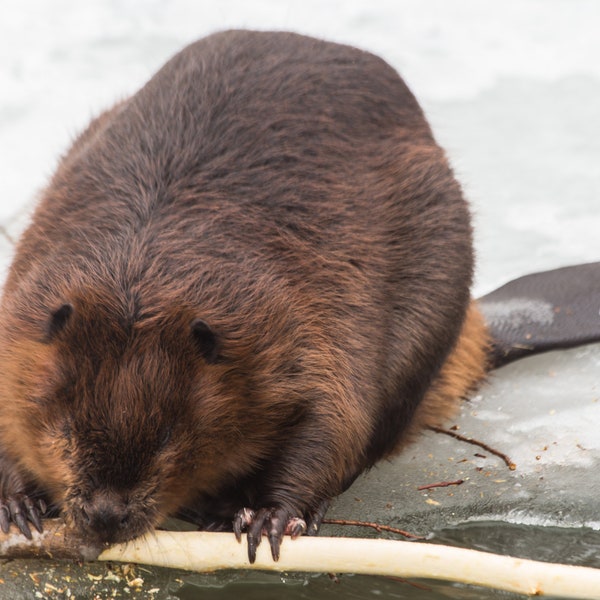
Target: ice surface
(542,412)
(512,92)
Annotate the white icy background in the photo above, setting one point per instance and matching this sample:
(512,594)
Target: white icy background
(512,90)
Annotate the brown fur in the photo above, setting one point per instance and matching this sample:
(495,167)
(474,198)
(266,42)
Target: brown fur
(464,369)
(289,194)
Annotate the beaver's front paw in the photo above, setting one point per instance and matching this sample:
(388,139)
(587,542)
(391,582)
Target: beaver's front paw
(21,510)
(272,522)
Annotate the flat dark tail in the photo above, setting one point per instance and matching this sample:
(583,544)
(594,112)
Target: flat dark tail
(543,311)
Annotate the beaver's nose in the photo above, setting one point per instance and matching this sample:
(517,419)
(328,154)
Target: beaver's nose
(106,516)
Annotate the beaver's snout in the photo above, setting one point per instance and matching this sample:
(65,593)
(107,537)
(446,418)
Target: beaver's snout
(106,516)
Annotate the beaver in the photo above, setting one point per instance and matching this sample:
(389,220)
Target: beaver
(243,286)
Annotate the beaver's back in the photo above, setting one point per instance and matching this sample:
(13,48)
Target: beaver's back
(277,156)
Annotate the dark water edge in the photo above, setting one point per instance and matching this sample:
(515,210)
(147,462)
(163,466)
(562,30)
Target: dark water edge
(41,580)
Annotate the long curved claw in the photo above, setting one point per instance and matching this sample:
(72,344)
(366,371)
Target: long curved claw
(4,517)
(33,513)
(255,530)
(17,514)
(275,525)
(315,517)
(241,521)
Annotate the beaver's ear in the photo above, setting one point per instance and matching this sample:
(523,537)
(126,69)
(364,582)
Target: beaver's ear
(58,319)
(206,340)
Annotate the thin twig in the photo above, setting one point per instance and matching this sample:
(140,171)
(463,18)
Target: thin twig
(509,463)
(379,528)
(440,484)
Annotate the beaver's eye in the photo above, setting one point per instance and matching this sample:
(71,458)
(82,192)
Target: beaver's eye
(206,340)
(58,320)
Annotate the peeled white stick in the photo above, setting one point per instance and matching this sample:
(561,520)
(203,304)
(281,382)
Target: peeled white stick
(196,551)
(214,551)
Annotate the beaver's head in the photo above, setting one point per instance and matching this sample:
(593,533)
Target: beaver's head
(124,419)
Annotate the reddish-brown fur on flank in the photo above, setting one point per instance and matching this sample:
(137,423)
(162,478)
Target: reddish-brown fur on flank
(464,369)
(243,286)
